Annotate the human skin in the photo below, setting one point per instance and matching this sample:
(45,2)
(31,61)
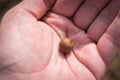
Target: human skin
(30,34)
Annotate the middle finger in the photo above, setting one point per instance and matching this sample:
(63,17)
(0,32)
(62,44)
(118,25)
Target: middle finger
(88,12)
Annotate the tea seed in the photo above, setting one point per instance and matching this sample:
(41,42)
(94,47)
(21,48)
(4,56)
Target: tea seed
(66,45)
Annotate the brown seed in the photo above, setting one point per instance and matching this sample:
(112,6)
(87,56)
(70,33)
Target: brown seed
(66,45)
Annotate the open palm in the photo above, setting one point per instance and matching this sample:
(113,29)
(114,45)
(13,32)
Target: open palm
(30,34)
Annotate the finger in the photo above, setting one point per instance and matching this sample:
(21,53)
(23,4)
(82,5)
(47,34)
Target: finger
(37,8)
(102,22)
(88,11)
(66,7)
(110,41)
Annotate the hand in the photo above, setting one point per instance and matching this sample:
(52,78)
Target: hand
(31,31)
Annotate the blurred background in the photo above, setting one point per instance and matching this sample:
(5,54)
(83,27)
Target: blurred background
(113,73)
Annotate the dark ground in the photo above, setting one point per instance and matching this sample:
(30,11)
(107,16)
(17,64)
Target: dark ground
(113,72)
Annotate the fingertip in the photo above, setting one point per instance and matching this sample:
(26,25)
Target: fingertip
(49,3)
(38,8)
